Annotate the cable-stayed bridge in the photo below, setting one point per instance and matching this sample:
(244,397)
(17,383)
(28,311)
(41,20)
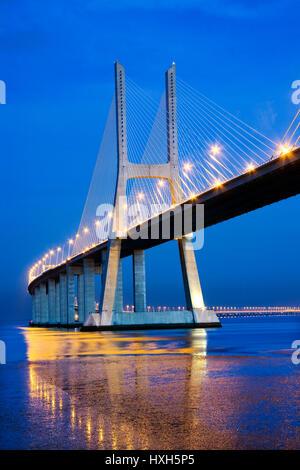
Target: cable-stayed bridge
(160,166)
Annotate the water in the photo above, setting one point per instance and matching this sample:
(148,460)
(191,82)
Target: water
(229,388)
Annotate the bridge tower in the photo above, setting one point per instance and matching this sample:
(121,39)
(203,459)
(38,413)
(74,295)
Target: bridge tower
(111,302)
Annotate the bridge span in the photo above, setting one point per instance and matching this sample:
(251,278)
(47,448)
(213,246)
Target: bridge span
(54,290)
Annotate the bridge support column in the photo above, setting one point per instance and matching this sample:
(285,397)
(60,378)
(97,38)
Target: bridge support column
(51,300)
(192,287)
(57,303)
(118,305)
(80,297)
(63,298)
(110,276)
(70,294)
(89,285)
(139,281)
(44,303)
(33,300)
(37,299)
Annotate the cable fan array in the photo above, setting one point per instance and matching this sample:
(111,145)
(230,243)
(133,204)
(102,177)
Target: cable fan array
(213,147)
(291,138)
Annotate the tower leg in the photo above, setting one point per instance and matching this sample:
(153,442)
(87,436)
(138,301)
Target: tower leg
(110,276)
(118,305)
(192,287)
(139,281)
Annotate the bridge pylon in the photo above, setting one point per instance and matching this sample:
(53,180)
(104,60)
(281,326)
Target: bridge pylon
(111,302)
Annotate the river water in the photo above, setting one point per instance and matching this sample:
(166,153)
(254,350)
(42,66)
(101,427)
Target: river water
(234,387)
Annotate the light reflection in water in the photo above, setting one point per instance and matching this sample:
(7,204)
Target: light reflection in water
(106,394)
(160,390)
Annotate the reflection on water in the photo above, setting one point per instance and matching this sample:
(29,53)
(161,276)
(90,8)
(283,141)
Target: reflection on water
(109,383)
(44,344)
(172,389)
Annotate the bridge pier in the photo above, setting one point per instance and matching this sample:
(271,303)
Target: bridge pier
(44,303)
(37,304)
(118,305)
(110,278)
(139,281)
(57,303)
(34,309)
(63,298)
(89,285)
(51,300)
(70,294)
(80,297)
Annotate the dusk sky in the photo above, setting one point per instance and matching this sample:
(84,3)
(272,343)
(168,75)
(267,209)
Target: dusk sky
(57,59)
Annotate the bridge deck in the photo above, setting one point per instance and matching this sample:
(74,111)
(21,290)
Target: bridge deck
(269,183)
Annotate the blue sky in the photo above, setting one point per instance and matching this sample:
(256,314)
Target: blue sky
(57,61)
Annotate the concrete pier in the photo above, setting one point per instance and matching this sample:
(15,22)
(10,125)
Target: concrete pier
(118,306)
(80,298)
(89,285)
(70,294)
(57,303)
(139,281)
(63,298)
(51,301)
(44,303)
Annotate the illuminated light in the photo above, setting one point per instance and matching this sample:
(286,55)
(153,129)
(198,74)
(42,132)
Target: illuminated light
(97,223)
(110,214)
(192,195)
(59,249)
(187,166)
(76,317)
(51,252)
(218,183)
(85,230)
(215,149)
(70,241)
(284,149)
(161,183)
(250,167)
(141,195)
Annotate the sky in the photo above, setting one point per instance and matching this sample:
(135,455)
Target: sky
(57,58)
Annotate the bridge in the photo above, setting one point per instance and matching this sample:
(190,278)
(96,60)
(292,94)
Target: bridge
(165,171)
